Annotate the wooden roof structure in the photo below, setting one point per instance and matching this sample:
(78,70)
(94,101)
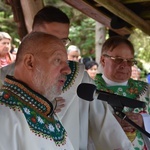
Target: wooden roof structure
(120,16)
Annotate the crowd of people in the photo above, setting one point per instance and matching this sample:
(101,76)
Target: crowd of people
(39,105)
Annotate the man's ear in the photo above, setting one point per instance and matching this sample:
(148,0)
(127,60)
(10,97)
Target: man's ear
(102,61)
(29,61)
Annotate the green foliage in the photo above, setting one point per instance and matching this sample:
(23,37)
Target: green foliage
(82,34)
(141,44)
(82,31)
(7,23)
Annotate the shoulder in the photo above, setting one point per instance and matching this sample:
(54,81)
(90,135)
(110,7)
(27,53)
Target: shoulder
(76,75)
(138,82)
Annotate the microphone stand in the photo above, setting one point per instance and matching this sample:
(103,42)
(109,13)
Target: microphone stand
(123,116)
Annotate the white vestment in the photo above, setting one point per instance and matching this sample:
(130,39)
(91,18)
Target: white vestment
(85,120)
(27,121)
(90,120)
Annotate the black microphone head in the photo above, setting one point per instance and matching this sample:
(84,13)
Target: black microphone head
(86,91)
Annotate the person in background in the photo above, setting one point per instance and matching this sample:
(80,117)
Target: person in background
(117,59)
(135,74)
(81,119)
(91,68)
(27,114)
(14,49)
(86,59)
(6,57)
(74,53)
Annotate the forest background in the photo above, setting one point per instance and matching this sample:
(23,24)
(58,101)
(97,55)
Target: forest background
(82,33)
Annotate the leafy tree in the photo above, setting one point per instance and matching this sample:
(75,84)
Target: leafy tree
(7,23)
(141,42)
(82,31)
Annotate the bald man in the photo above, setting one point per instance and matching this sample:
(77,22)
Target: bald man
(27,115)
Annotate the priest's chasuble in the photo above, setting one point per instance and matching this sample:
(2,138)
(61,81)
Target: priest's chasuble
(134,89)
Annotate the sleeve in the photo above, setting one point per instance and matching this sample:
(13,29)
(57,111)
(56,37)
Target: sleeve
(104,129)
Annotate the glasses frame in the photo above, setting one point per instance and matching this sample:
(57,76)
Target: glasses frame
(66,41)
(130,62)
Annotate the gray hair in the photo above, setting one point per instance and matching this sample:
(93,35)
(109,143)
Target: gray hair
(73,48)
(4,35)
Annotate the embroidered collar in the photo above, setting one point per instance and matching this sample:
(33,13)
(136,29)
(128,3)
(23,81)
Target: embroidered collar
(133,89)
(74,66)
(28,96)
(36,108)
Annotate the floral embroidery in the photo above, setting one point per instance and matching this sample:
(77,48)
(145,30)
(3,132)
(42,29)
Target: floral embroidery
(35,108)
(135,90)
(71,77)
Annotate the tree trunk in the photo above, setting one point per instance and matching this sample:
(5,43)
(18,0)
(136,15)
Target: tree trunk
(100,34)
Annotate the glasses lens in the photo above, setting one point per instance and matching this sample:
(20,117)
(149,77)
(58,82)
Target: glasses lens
(118,60)
(66,41)
(131,62)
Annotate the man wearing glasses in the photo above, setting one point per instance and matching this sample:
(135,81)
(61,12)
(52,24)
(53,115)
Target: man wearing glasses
(117,59)
(80,118)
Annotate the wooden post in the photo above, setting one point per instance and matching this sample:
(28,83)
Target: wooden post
(100,35)
(30,8)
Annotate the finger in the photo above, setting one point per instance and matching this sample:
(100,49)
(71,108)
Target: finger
(57,110)
(128,129)
(60,98)
(60,106)
(60,101)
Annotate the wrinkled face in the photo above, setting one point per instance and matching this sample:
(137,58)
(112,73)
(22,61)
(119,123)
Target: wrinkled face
(92,71)
(50,71)
(135,74)
(74,56)
(5,46)
(117,72)
(60,30)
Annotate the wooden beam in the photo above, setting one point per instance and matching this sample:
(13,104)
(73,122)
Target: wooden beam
(30,8)
(145,14)
(126,14)
(18,17)
(94,13)
(134,1)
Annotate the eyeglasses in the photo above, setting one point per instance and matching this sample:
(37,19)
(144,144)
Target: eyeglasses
(119,60)
(66,41)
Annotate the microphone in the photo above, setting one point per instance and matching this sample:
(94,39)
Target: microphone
(89,92)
